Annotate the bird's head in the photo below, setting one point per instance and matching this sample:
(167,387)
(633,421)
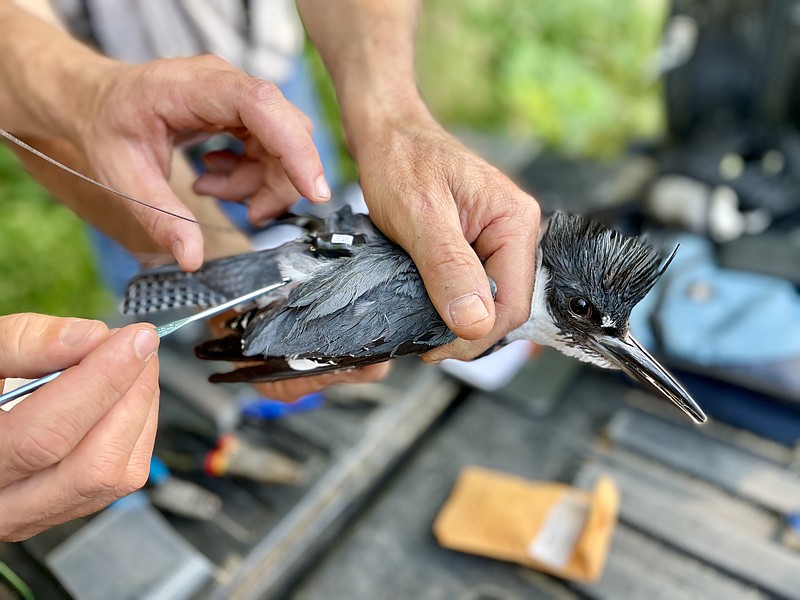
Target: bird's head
(588,281)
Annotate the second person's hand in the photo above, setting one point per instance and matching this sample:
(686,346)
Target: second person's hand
(84,439)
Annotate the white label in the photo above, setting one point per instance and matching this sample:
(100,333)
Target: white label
(555,543)
(342,238)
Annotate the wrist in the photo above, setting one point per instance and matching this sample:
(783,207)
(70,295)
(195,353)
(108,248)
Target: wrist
(371,118)
(368,49)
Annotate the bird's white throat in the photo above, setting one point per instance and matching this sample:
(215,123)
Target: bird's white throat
(541,327)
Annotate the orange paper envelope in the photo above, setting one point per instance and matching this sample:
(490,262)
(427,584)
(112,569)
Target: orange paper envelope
(552,527)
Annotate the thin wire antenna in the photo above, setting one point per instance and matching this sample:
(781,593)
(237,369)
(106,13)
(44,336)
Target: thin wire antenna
(12,138)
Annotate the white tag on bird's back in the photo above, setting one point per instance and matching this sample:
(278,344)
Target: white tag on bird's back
(342,238)
(555,542)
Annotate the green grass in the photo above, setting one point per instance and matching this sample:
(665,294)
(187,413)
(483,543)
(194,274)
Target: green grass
(566,73)
(45,260)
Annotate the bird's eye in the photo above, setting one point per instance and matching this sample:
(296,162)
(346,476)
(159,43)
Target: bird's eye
(580,307)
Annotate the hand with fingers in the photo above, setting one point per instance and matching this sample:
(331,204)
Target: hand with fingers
(141,112)
(460,219)
(85,439)
(289,390)
(125,120)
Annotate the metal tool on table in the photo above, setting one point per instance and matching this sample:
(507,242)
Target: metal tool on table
(161,331)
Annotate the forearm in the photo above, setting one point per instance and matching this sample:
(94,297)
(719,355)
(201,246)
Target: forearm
(368,48)
(47,78)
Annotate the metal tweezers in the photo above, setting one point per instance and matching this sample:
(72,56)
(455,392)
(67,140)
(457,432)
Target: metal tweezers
(161,331)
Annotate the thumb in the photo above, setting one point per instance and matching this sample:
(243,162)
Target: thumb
(454,279)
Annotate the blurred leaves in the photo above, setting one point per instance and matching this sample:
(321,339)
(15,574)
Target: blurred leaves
(45,260)
(569,73)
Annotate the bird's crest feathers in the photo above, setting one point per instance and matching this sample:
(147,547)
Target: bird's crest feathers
(620,267)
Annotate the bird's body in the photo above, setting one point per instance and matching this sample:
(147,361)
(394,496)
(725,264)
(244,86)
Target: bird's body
(356,298)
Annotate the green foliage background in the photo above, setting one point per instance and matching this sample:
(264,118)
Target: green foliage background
(572,73)
(569,73)
(46,263)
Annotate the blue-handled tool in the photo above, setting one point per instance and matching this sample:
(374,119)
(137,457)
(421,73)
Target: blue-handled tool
(267,409)
(161,331)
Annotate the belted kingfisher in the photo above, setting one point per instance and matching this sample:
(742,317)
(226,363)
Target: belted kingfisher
(356,298)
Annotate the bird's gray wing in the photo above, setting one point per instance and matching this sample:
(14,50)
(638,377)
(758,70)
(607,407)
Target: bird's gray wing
(373,303)
(219,280)
(356,311)
(345,220)
(215,282)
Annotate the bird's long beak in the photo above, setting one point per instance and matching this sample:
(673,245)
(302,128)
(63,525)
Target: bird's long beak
(637,363)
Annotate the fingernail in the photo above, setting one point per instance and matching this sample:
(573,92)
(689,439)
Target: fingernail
(78,332)
(321,189)
(467,310)
(177,250)
(219,161)
(145,343)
